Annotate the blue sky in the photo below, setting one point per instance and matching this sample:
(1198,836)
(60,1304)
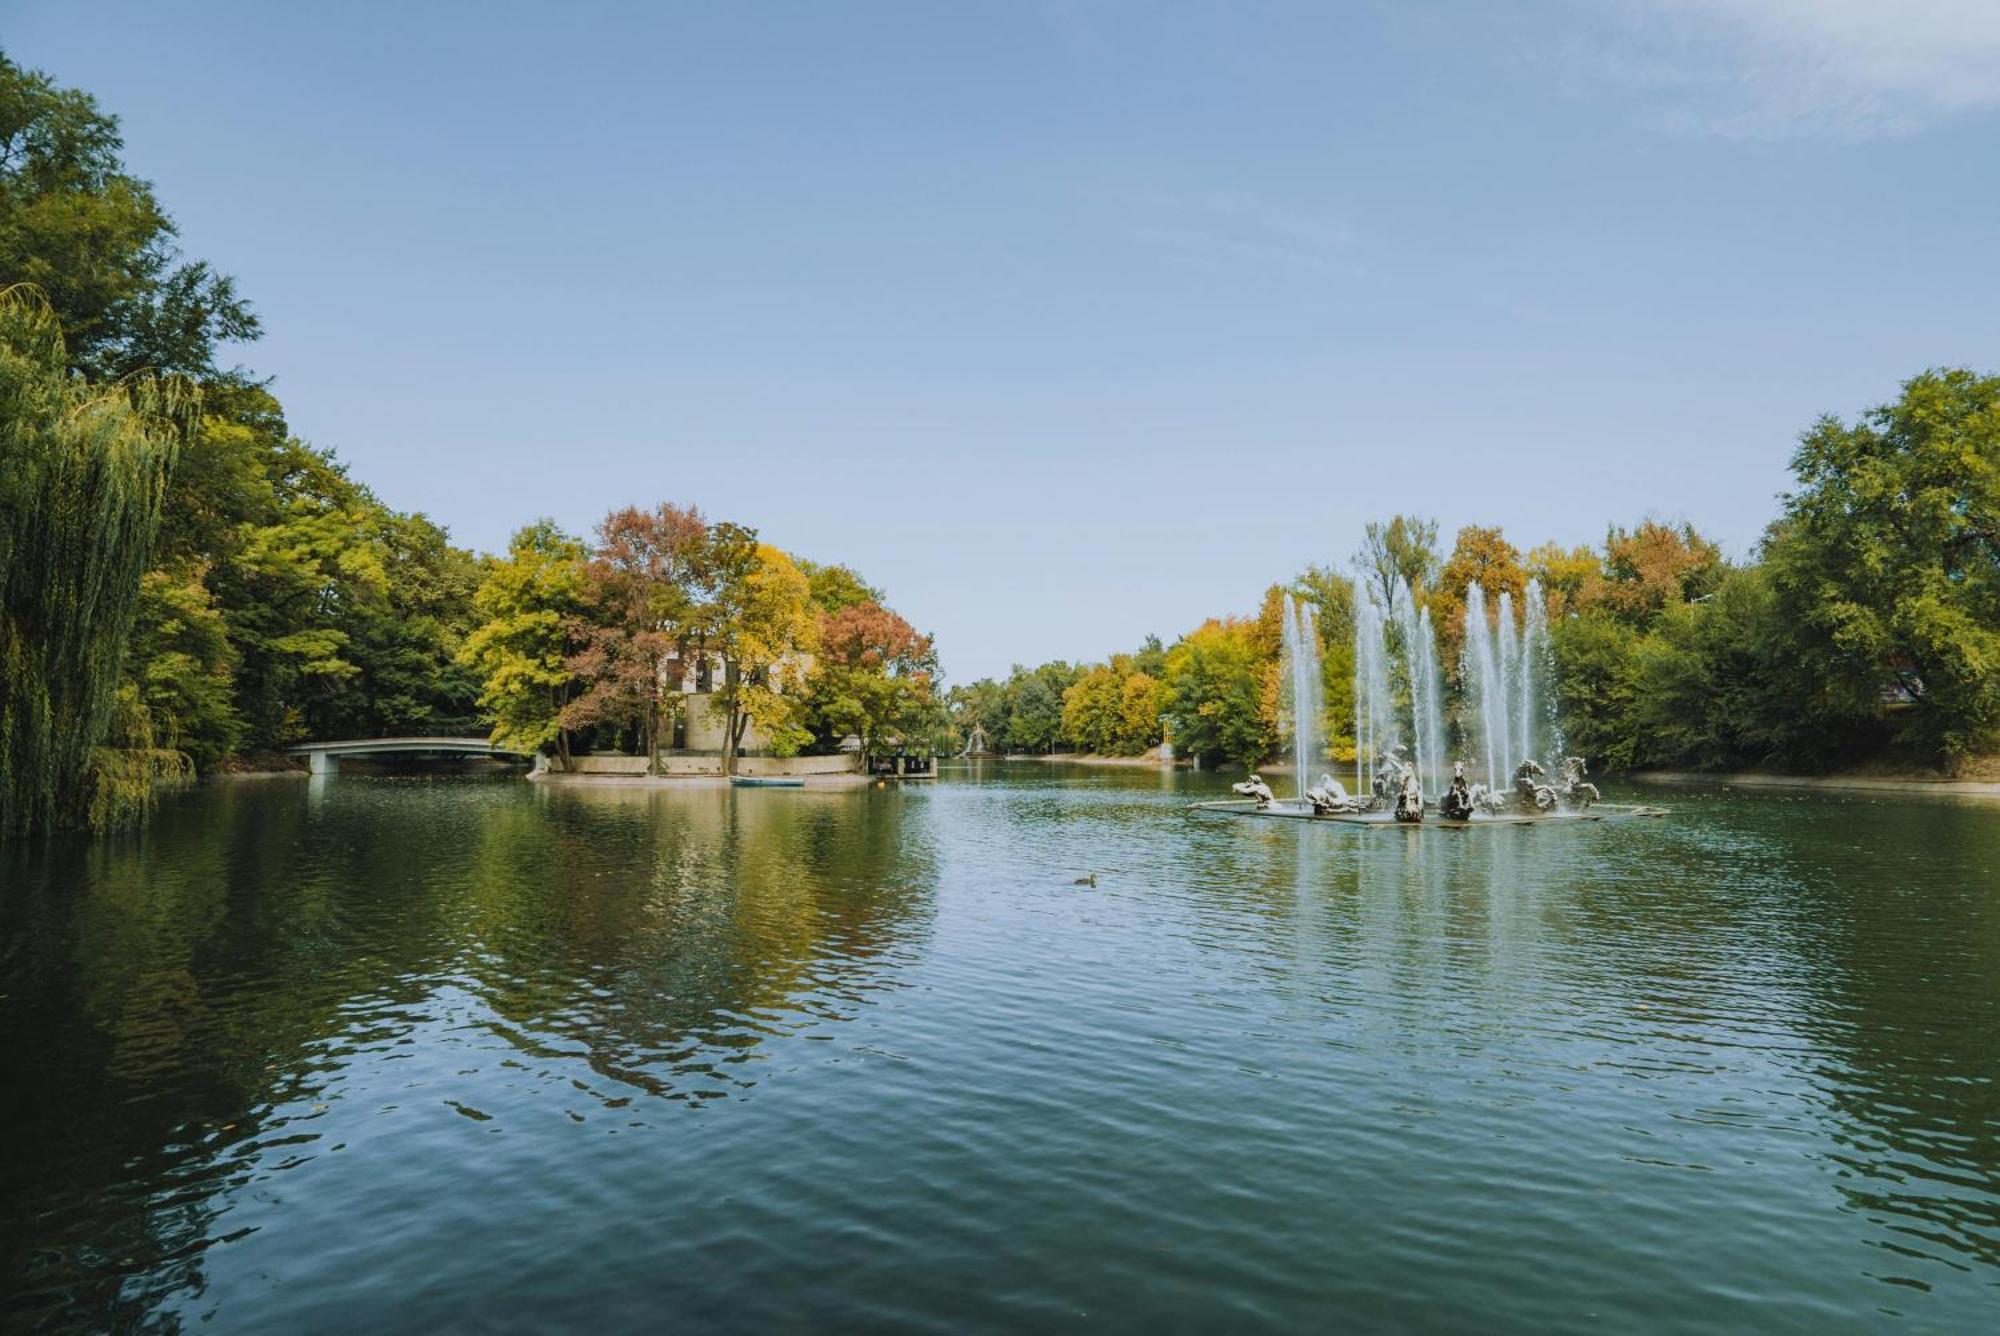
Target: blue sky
(1068,322)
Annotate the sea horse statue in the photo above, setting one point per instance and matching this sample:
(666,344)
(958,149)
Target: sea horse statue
(1410,797)
(1576,791)
(1457,803)
(1330,797)
(1530,795)
(1255,787)
(1387,781)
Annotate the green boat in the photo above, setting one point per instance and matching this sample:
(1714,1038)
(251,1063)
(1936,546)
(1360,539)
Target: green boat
(764,782)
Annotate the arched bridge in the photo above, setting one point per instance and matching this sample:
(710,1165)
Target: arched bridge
(325,756)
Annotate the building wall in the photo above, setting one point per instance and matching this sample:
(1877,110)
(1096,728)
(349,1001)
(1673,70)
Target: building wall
(708,725)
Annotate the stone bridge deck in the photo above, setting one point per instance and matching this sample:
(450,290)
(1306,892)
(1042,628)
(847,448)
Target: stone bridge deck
(325,757)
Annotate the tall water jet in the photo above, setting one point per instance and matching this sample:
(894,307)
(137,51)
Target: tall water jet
(1426,689)
(1485,688)
(1429,706)
(1507,653)
(1304,691)
(1537,716)
(1373,712)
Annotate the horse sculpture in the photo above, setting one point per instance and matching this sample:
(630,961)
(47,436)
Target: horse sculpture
(1329,797)
(1255,787)
(1576,792)
(1530,795)
(1458,802)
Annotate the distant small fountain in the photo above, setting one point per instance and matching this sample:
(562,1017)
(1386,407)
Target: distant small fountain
(1303,692)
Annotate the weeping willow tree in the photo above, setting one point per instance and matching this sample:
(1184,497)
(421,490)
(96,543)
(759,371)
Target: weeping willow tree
(83,469)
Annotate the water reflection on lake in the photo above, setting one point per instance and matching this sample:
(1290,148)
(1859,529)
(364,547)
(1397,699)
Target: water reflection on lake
(403,1053)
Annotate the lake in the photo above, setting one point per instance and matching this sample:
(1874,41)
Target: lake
(407,1053)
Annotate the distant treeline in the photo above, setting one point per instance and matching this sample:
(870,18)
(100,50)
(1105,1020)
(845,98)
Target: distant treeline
(1865,626)
(187,584)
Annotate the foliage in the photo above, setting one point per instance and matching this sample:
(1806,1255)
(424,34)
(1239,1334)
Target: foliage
(124,780)
(1399,555)
(642,606)
(1113,709)
(837,587)
(764,629)
(181,667)
(1655,565)
(875,678)
(1887,564)
(527,603)
(1571,579)
(1216,701)
(82,474)
(1595,665)
(96,243)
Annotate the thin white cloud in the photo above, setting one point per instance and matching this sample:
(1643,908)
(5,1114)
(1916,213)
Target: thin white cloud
(1779,68)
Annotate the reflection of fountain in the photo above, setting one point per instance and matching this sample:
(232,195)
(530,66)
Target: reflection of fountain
(1302,689)
(1509,716)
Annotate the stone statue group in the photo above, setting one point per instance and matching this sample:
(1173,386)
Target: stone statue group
(1397,789)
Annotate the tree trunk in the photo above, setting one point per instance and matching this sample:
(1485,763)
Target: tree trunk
(732,729)
(653,737)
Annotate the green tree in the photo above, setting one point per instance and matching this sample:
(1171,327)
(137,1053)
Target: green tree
(182,665)
(1034,713)
(764,629)
(875,678)
(527,604)
(837,587)
(302,567)
(95,241)
(982,705)
(1215,691)
(82,474)
(1886,560)
(1092,713)
(1399,555)
(1595,657)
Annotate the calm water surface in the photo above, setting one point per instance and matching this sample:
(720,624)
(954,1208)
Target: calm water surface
(381,1054)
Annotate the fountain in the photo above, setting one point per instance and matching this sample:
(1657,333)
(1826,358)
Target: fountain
(1398,690)
(1302,682)
(1506,719)
(1540,734)
(1371,690)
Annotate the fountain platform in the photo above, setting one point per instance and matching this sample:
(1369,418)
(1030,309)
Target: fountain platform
(1296,812)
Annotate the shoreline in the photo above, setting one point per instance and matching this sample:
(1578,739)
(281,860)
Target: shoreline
(1079,758)
(1864,783)
(830,781)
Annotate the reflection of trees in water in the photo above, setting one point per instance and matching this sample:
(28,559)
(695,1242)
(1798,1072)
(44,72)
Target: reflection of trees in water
(131,1059)
(177,1003)
(670,932)
(1901,945)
